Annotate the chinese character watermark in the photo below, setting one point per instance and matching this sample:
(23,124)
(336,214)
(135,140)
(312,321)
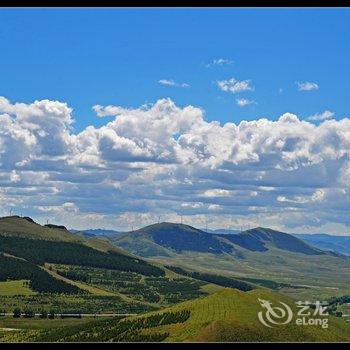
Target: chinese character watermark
(308,314)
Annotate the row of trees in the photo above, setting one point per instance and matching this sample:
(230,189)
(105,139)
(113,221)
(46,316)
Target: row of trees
(27,313)
(216,279)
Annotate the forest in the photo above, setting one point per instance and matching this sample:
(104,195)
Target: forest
(42,251)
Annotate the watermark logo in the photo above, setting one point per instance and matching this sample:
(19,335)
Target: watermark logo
(309,314)
(274,315)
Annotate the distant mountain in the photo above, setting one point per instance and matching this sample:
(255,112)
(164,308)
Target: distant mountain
(164,238)
(157,239)
(89,233)
(261,239)
(223,231)
(338,244)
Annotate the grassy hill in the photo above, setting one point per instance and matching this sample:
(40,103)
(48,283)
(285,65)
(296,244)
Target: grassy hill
(159,238)
(165,238)
(261,239)
(260,253)
(48,268)
(53,261)
(225,316)
(26,227)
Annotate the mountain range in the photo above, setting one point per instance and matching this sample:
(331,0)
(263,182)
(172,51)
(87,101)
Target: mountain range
(164,237)
(203,284)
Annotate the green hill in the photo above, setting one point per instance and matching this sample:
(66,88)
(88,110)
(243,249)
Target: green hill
(55,262)
(226,316)
(26,247)
(26,227)
(165,238)
(261,239)
(257,254)
(161,239)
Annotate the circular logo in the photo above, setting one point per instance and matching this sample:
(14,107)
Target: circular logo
(274,315)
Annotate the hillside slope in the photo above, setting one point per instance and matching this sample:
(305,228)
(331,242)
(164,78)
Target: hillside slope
(176,237)
(160,238)
(260,239)
(260,253)
(26,227)
(226,316)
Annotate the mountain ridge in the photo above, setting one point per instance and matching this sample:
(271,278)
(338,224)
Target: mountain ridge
(180,237)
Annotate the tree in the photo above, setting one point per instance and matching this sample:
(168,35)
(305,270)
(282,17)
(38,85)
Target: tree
(29,313)
(51,315)
(43,314)
(17,313)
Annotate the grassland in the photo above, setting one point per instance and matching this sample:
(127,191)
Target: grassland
(311,277)
(19,287)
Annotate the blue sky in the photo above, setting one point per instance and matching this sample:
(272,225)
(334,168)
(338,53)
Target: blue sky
(228,117)
(106,56)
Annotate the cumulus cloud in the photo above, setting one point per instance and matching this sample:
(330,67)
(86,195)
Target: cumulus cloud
(170,82)
(321,116)
(234,86)
(307,86)
(162,159)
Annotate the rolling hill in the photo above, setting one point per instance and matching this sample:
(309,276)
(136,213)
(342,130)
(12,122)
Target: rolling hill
(28,228)
(92,233)
(261,239)
(27,247)
(48,261)
(185,278)
(259,253)
(225,316)
(165,237)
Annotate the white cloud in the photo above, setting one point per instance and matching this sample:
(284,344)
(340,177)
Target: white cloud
(242,102)
(170,82)
(192,205)
(321,116)
(217,192)
(234,86)
(163,159)
(214,207)
(219,62)
(307,86)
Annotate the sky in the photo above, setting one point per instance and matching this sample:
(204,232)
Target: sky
(230,118)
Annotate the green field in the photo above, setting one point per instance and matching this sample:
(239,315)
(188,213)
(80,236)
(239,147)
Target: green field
(9,288)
